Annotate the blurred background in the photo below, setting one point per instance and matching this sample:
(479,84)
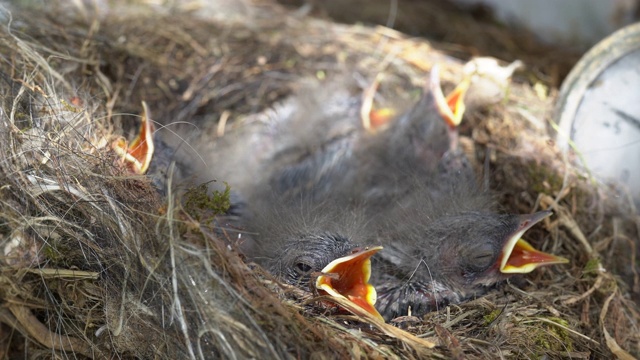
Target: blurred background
(550,34)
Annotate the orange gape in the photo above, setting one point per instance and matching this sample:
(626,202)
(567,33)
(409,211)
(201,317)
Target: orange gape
(138,154)
(348,277)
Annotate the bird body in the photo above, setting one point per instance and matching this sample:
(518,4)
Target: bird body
(308,132)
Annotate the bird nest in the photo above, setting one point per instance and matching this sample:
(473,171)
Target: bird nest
(97,263)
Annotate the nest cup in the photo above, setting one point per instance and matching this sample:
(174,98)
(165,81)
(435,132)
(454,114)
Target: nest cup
(96,263)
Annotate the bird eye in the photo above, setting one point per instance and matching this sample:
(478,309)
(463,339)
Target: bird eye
(481,256)
(483,259)
(303,268)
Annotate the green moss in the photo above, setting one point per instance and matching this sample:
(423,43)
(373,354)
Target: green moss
(543,179)
(593,267)
(490,317)
(68,107)
(290,63)
(52,253)
(200,204)
(554,338)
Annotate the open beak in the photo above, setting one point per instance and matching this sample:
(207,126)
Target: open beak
(348,277)
(452,107)
(139,152)
(518,256)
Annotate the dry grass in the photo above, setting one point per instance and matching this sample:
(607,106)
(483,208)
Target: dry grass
(96,264)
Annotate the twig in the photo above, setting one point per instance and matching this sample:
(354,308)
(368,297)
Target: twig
(610,341)
(49,339)
(569,223)
(584,295)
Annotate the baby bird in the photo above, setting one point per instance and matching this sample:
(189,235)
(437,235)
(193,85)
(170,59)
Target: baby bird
(439,251)
(308,131)
(297,240)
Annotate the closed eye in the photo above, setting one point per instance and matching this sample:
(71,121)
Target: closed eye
(483,260)
(480,256)
(303,268)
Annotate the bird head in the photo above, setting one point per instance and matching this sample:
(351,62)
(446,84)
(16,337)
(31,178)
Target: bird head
(481,249)
(302,258)
(336,266)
